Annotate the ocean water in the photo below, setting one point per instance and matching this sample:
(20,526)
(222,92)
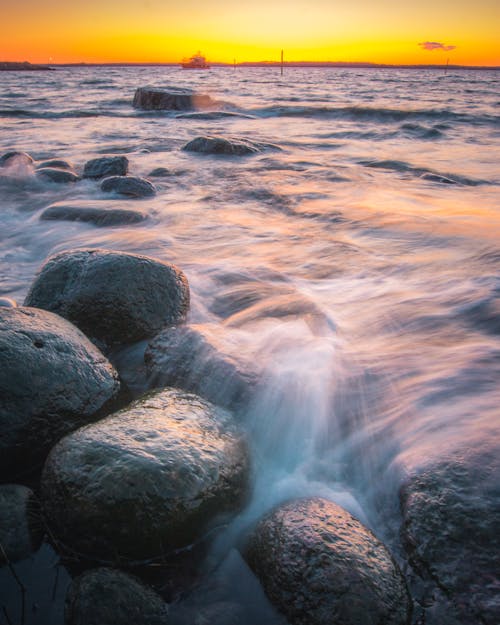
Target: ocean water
(357,262)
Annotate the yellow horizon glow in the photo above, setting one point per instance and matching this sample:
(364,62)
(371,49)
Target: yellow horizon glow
(161,31)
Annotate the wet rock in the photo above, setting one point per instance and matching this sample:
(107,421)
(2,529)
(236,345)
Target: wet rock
(172,98)
(88,212)
(451,521)
(54,174)
(53,380)
(131,186)
(110,597)
(320,566)
(160,172)
(20,524)
(146,480)
(15,158)
(106,166)
(201,359)
(114,297)
(220,145)
(56,163)
(8,302)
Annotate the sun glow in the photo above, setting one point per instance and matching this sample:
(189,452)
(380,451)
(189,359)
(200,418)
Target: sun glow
(320,30)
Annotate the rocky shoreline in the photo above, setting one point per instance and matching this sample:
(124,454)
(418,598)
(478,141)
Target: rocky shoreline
(121,482)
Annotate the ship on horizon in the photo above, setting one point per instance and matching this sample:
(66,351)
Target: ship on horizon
(197,61)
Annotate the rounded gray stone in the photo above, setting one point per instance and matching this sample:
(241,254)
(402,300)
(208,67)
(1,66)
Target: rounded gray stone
(98,216)
(56,163)
(146,480)
(14,157)
(114,297)
(106,166)
(53,380)
(171,98)
(110,597)
(320,566)
(8,302)
(221,145)
(131,186)
(54,174)
(20,524)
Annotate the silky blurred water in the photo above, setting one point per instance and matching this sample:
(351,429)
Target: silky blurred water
(357,263)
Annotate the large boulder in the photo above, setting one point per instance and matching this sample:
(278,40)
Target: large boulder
(106,166)
(88,212)
(131,186)
(113,297)
(171,98)
(20,524)
(451,530)
(146,480)
(321,566)
(110,597)
(201,359)
(53,380)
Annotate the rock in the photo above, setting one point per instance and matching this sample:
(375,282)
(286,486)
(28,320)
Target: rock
(110,597)
(8,302)
(53,380)
(19,522)
(160,172)
(172,98)
(56,163)
(146,480)
(15,158)
(220,145)
(201,359)
(112,296)
(321,566)
(106,166)
(128,185)
(97,215)
(55,174)
(451,521)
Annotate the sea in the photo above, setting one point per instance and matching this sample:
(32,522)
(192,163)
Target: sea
(355,260)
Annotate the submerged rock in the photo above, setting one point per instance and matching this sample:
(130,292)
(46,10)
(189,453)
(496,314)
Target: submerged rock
(53,380)
(172,98)
(56,163)
(321,566)
(99,216)
(160,172)
(131,186)
(114,297)
(106,166)
(146,480)
(110,597)
(220,145)
(8,302)
(200,358)
(55,174)
(451,521)
(15,158)
(20,524)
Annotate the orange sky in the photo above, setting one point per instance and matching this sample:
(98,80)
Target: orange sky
(380,31)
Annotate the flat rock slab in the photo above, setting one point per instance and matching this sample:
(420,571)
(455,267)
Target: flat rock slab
(224,146)
(110,597)
(106,166)
(53,380)
(201,359)
(90,213)
(169,99)
(320,566)
(146,480)
(114,297)
(20,524)
(130,186)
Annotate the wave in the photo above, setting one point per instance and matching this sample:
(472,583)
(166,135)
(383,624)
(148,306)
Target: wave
(30,114)
(424,173)
(386,115)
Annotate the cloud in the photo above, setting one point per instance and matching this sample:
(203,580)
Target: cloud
(435,45)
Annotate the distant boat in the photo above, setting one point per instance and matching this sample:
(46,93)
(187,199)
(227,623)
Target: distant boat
(197,61)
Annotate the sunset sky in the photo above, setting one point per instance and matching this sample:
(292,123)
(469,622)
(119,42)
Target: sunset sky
(380,31)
